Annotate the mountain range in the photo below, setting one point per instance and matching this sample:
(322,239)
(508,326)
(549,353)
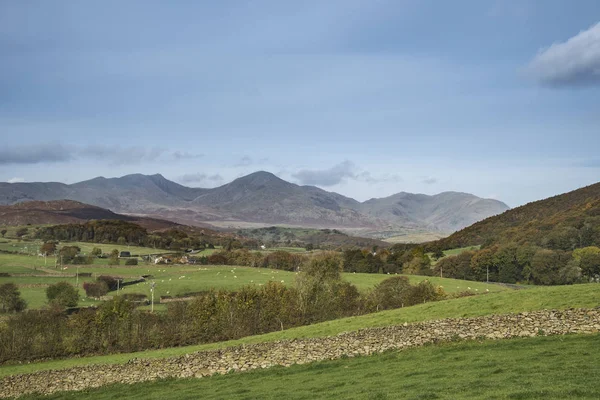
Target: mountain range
(262,198)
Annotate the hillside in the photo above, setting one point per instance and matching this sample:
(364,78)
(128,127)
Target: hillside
(68,212)
(443,212)
(264,199)
(566,221)
(319,238)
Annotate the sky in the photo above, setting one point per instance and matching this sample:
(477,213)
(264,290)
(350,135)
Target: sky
(367,98)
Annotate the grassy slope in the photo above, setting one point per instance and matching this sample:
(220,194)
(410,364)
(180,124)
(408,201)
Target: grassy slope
(532,368)
(555,297)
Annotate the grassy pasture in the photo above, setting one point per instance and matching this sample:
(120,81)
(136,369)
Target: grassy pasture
(454,252)
(554,297)
(33,289)
(17,269)
(32,247)
(175,280)
(415,237)
(366,281)
(525,368)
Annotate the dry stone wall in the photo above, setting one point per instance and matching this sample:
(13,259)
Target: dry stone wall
(301,351)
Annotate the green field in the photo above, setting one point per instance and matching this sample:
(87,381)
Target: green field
(452,252)
(32,247)
(532,368)
(538,298)
(366,281)
(176,280)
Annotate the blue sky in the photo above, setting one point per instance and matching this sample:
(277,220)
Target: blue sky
(367,98)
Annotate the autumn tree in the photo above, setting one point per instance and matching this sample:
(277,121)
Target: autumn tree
(588,259)
(114,257)
(48,248)
(10,298)
(68,253)
(317,283)
(95,289)
(391,293)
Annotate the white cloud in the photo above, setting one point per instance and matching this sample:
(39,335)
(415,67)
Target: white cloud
(16,180)
(201,178)
(327,177)
(575,62)
(340,173)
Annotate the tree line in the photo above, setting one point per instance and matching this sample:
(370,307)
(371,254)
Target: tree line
(512,263)
(319,294)
(123,232)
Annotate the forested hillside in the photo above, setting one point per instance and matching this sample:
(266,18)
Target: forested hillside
(551,241)
(562,222)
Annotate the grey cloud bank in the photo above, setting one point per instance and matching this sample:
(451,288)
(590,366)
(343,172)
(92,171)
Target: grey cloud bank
(110,154)
(35,154)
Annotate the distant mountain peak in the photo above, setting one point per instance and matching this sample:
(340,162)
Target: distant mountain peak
(263,197)
(258,178)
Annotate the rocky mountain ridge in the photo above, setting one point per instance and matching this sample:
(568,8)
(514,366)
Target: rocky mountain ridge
(261,198)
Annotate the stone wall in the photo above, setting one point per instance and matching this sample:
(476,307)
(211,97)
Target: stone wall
(301,351)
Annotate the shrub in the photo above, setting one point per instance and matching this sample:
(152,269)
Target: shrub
(111,282)
(134,296)
(391,293)
(131,261)
(82,260)
(95,289)
(62,294)
(423,292)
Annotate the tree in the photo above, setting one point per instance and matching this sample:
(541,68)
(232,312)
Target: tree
(95,289)
(590,265)
(68,253)
(62,294)
(10,298)
(21,232)
(3,232)
(391,293)
(96,251)
(546,266)
(316,284)
(438,253)
(114,257)
(48,248)
(419,265)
